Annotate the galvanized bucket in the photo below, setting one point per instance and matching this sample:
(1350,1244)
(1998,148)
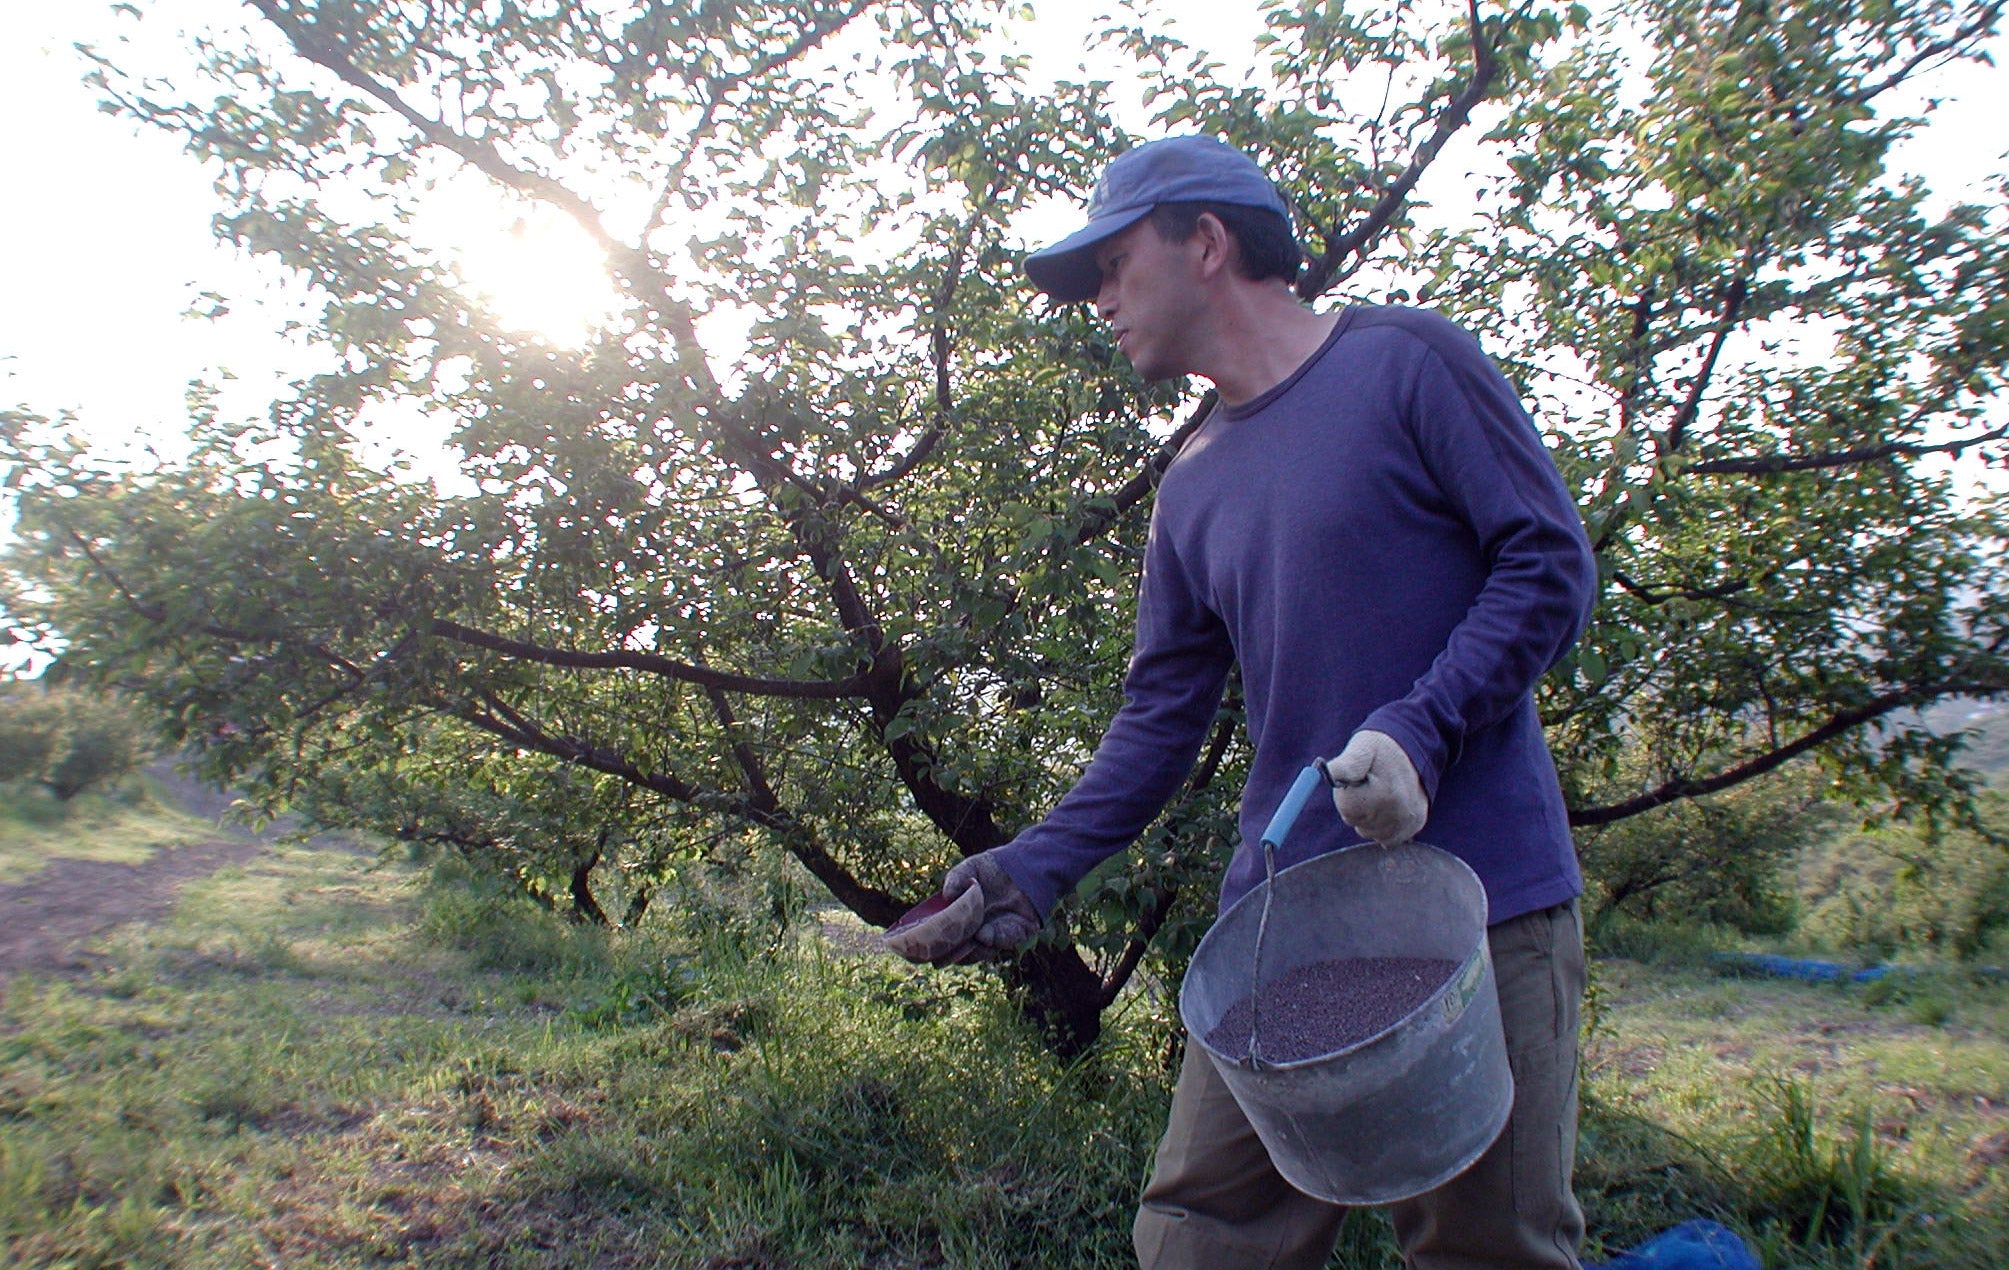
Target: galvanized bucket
(1395,1114)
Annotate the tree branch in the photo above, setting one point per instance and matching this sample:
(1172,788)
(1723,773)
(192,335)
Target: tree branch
(1133,491)
(500,719)
(743,754)
(1159,906)
(1981,25)
(1733,303)
(308,40)
(1640,362)
(869,903)
(940,350)
(1768,464)
(310,43)
(822,27)
(1841,722)
(1324,271)
(155,613)
(855,686)
(1657,595)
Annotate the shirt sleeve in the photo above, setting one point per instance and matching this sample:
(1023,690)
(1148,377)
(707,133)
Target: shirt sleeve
(1178,666)
(1484,455)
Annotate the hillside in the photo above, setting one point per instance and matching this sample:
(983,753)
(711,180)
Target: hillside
(1988,747)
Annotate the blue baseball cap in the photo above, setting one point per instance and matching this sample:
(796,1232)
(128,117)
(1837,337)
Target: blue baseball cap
(1191,169)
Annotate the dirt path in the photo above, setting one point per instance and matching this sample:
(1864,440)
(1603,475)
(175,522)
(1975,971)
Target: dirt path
(45,921)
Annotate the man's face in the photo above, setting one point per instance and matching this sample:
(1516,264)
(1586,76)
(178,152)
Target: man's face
(1150,298)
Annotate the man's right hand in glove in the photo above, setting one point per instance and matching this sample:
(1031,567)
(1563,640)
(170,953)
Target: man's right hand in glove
(1377,790)
(987,918)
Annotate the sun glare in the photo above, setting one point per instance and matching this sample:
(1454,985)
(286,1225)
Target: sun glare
(541,275)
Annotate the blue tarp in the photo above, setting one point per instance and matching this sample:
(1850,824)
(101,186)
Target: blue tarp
(1815,969)
(1693,1245)
(1810,968)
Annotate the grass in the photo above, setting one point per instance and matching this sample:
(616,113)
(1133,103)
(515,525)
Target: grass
(126,826)
(1828,1121)
(324,1060)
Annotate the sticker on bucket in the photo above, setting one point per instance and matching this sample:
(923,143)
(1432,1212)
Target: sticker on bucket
(1465,987)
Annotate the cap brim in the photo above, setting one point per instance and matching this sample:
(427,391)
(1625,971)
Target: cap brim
(1067,271)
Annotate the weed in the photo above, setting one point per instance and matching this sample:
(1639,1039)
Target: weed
(1930,1010)
(648,992)
(1819,1188)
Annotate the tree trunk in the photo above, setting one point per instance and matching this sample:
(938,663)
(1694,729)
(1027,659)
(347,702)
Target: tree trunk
(1057,992)
(586,909)
(638,904)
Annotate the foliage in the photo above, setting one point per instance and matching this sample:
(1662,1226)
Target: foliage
(1755,332)
(1911,888)
(1724,859)
(555,831)
(29,729)
(862,587)
(67,741)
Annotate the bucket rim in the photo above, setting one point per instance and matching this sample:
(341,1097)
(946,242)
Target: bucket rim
(1470,971)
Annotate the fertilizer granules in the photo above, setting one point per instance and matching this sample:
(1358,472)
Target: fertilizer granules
(1325,1006)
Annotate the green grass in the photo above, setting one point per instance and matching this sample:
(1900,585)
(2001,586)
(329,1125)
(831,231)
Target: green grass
(126,826)
(324,1060)
(1827,1121)
(292,1072)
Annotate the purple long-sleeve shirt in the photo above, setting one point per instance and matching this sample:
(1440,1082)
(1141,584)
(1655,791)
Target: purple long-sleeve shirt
(1383,542)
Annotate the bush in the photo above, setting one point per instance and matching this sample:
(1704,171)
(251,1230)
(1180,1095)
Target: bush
(1725,859)
(1903,887)
(66,741)
(28,732)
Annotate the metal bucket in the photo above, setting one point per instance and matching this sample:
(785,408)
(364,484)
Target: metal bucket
(1395,1114)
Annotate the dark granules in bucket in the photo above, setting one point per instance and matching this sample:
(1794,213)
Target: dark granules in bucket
(1325,1006)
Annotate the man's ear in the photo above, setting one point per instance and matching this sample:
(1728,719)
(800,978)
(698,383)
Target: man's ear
(1217,245)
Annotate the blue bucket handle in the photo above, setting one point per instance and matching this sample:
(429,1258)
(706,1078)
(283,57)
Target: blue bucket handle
(1309,779)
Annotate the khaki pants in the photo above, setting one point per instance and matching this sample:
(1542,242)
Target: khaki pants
(1215,1203)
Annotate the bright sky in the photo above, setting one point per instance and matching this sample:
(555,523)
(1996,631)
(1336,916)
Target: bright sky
(107,243)
(107,240)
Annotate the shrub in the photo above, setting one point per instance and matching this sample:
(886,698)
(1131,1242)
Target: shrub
(69,742)
(1725,859)
(28,732)
(1908,887)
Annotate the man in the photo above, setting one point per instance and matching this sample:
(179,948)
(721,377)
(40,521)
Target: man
(1368,522)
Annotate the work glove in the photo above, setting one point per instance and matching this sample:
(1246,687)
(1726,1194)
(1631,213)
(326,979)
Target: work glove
(986,918)
(1377,790)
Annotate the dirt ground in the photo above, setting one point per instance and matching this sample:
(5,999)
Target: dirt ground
(45,921)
